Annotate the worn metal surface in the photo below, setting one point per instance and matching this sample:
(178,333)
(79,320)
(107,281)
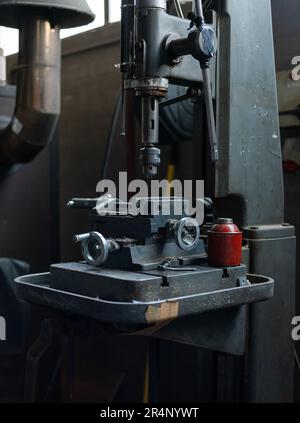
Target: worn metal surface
(270,356)
(249,187)
(154,26)
(35,289)
(223,331)
(292,213)
(250,167)
(146,286)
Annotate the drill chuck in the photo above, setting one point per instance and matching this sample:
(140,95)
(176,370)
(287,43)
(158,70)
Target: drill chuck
(150,160)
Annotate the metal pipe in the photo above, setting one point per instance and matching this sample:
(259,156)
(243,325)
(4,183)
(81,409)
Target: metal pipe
(178,8)
(38,92)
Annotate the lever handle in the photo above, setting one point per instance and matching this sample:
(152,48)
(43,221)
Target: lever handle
(210,115)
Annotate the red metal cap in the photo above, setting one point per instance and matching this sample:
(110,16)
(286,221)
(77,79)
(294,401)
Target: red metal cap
(225,225)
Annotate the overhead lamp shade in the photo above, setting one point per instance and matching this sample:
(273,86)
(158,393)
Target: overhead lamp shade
(65,13)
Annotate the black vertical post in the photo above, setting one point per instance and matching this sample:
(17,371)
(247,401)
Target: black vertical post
(106,11)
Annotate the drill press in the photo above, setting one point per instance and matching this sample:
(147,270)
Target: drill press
(134,269)
(157,255)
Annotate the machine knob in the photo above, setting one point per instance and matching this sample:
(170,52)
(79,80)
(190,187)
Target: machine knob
(187,233)
(95,247)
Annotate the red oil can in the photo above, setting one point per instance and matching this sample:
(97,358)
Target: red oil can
(225,242)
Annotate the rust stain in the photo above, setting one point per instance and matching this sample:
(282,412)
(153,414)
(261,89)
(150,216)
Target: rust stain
(161,312)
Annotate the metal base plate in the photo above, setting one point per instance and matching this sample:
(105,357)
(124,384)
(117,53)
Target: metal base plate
(143,286)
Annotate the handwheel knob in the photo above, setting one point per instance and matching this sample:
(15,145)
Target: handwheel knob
(187,233)
(95,248)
